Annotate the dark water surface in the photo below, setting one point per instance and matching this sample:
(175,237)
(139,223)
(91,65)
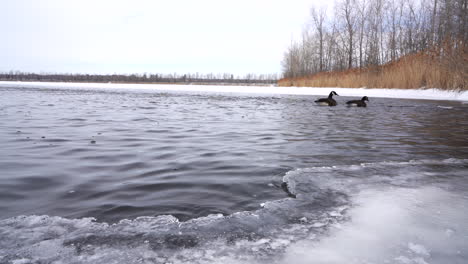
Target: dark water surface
(120,154)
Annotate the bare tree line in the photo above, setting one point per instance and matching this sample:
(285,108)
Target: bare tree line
(197,78)
(363,33)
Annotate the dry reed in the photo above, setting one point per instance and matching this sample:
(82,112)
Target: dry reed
(421,70)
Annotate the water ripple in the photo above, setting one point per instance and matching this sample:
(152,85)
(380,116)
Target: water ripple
(122,154)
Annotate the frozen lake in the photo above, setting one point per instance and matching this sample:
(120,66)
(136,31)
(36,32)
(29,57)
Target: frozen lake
(175,176)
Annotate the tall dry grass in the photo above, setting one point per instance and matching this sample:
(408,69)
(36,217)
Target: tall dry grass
(422,70)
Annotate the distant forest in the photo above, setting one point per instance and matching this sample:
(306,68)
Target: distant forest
(359,34)
(226,78)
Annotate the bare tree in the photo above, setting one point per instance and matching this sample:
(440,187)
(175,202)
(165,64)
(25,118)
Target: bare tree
(361,33)
(318,19)
(347,13)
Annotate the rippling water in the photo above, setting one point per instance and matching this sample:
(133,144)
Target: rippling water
(175,177)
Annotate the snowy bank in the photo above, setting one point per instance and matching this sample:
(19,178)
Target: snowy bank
(428,94)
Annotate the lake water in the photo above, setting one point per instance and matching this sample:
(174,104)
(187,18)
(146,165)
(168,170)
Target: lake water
(178,177)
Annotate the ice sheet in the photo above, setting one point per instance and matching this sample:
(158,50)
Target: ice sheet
(430,94)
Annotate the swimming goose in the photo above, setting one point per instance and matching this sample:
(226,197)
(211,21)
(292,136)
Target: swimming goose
(327,101)
(358,103)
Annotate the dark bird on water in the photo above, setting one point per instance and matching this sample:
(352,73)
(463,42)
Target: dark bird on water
(327,101)
(358,103)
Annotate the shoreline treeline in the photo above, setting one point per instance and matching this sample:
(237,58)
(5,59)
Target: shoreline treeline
(226,78)
(358,37)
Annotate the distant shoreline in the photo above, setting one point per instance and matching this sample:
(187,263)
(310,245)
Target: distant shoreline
(425,94)
(205,79)
(153,83)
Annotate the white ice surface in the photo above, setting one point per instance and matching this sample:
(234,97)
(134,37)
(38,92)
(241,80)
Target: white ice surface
(429,94)
(399,226)
(381,219)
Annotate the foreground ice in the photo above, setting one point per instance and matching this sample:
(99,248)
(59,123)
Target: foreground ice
(388,212)
(404,226)
(432,94)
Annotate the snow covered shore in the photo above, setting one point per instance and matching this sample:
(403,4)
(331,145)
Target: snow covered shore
(429,94)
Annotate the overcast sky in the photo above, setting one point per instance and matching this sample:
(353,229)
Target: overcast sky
(136,36)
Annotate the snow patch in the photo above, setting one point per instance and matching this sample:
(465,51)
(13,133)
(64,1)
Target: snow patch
(429,94)
(418,249)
